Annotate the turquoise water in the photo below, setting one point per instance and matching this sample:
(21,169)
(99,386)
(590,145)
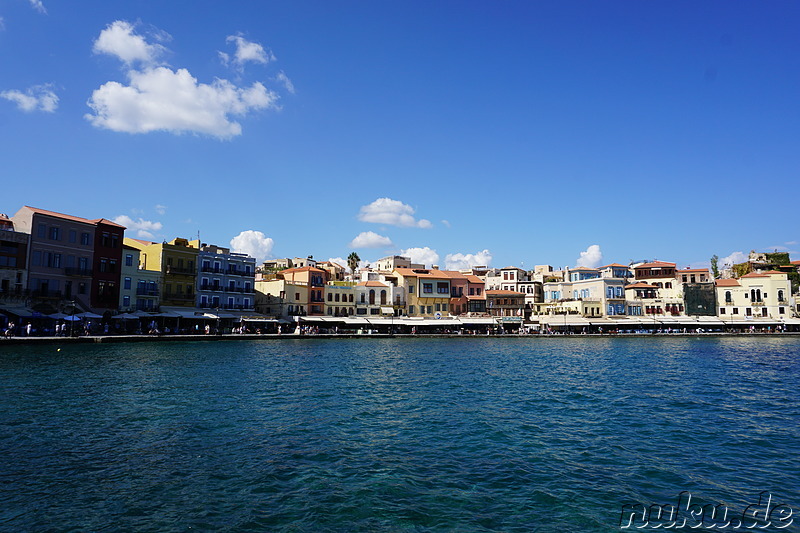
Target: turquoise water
(392,434)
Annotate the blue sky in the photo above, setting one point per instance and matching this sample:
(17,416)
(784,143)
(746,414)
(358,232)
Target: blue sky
(462,132)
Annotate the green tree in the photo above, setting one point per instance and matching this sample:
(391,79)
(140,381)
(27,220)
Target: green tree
(352,262)
(715,266)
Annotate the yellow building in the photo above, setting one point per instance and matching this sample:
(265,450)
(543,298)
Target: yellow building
(177,261)
(753,296)
(427,291)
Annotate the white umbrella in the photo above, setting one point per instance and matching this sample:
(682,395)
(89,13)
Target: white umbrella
(126,316)
(58,316)
(88,315)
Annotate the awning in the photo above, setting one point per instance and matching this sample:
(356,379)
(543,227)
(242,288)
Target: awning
(126,316)
(387,311)
(88,315)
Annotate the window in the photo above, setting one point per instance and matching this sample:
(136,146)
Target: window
(478,291)
(427,288)
(410,309)
(114,240)
(129,260)
(297,296)
(83,264)
(330,297)
(103,265)
(85,239)
(781,310)
(126,301)
(112,265)
(337,297)
(105,239)
(126,283)
(472,291)
(73,236)
(442,288)
(444,307)
(55,233)
(41,231)
(438,307)
(735,311)
(430,309)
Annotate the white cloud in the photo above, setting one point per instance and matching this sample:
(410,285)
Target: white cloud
(734,258)
(160,209)
(2,24)
(120,40)
(253,243)
(461,261)
(144,228)
(790,243)
(392,212)
(38,6)
(36,98)
(158,98)
(284,80)
(424,256)
(246,51)
(446,223)
(370,239)
(591,258)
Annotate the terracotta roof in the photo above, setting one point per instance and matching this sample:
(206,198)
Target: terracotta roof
(612,265)
(372,284)
(755,275)
(140,241)
(796,262)
(655,264)
(302,269)
(475,279)
(73,218)
(426,273)
(512,268)
(773,272)
(476,297)
(640,285)
(727,283)
(504,293)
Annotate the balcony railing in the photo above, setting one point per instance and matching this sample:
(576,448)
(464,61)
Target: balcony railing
(211,287)
(178,296)
(177,270)
(146,292)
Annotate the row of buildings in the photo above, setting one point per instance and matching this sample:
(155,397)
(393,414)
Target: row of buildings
(51,262)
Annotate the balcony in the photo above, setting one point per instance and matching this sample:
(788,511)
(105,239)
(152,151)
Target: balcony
(176,270)
(182,296)
(75,271)
(146,292)
(211,270)
(211,287)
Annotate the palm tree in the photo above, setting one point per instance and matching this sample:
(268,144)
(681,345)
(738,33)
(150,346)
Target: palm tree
(352,262)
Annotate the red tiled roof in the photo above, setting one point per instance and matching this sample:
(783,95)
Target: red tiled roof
(73,218)
(421,273)
(475,279)
(756,275)
(372,284)
(617,265)
(655,264)
(640,285)
(727,283)
(302,269)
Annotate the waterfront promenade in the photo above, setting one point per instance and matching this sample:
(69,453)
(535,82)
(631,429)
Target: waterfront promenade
(97,339)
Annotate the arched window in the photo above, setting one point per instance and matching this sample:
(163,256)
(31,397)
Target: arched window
(363,298)
(372,297)
(383,297)
(728,298)
(780,295)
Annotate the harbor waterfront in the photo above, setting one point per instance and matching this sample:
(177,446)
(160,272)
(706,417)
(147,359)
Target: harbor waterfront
(427,433)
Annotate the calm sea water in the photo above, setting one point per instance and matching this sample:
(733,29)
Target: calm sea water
(392,434)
